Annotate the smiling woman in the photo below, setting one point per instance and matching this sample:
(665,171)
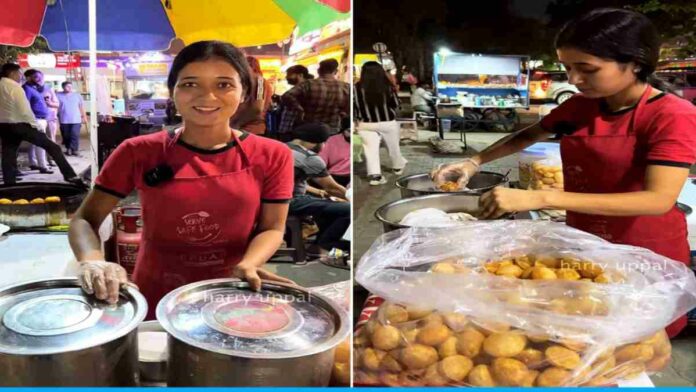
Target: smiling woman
(215,199)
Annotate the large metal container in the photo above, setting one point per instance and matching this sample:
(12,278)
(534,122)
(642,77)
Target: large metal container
(392,213)
(422,184)
(52,334)
(223,334)
(153,367)
(39,215)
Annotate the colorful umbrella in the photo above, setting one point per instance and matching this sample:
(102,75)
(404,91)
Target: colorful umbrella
(338,5)
(143,25)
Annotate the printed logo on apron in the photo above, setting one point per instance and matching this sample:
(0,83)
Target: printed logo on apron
(198,228)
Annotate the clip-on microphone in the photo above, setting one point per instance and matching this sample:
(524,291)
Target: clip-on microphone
(158,175)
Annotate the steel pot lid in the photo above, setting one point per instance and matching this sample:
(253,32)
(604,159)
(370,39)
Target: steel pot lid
(55,316)
(280,321)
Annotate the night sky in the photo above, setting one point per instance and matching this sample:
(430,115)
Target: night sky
(414,30)
(530,8)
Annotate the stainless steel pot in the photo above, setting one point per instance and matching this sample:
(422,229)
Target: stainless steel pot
(392,213)
(223,334)
(421,184)
(151,369)
(52,334)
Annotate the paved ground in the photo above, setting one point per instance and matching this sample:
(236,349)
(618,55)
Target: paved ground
(682,371)
(79,164)
(420,160)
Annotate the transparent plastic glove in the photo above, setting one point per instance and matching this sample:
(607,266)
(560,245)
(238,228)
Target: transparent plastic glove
(103,279)
(254,275)
(459,172)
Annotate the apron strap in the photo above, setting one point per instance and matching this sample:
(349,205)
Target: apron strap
(238,144)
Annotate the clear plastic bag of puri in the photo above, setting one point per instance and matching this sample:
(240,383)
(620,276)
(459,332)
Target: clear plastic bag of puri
(519,303)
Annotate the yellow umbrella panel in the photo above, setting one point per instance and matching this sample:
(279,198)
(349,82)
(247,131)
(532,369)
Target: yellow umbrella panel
(240,22)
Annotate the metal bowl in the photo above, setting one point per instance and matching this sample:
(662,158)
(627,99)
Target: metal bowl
(151,370)
(421,184)
(392,213)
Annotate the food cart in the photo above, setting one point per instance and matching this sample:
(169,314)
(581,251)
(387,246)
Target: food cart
(474,89)
(682,75)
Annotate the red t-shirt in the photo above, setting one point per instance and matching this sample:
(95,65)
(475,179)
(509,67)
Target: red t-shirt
(665,127)
(272,164)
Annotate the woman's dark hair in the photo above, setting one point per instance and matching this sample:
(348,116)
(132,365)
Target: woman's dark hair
(616,34)
(206,50)
(65,84)
(7,69)
(375,83)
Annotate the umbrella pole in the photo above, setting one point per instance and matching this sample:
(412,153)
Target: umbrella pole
(93,118)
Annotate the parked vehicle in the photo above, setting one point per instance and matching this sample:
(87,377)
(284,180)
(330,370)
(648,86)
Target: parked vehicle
(551,86)
(682,75)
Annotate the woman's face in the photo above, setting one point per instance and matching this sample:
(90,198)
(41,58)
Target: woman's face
(596,77)
(208,93)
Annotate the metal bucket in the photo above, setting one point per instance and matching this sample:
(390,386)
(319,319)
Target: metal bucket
(215,338)
(52,334)
(421,184)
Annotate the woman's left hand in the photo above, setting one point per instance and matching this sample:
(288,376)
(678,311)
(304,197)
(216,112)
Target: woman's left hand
(254,275)
(500,201)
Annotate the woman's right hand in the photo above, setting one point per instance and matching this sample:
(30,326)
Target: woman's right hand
(459,172)
(103,279)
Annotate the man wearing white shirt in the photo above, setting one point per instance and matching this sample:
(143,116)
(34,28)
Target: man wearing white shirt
(421,99)
(18,123)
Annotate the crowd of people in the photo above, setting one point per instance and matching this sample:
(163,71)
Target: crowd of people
(32,112)
(313,119)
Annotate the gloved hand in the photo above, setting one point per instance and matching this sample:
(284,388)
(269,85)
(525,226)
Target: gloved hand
(459,172)
(103,279)
(254,275)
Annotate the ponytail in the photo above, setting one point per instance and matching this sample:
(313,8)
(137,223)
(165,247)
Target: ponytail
(660,84)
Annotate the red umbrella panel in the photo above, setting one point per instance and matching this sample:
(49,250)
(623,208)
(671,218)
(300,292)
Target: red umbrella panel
(20,21)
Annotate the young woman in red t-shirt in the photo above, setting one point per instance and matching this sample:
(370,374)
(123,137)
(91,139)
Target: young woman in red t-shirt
(626,146)
(214,199)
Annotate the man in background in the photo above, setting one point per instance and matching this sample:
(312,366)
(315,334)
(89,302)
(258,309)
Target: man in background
(34,90)
(17,124)
(331,215)
(71,113)
(322,100)
(294,75)
(52,103)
